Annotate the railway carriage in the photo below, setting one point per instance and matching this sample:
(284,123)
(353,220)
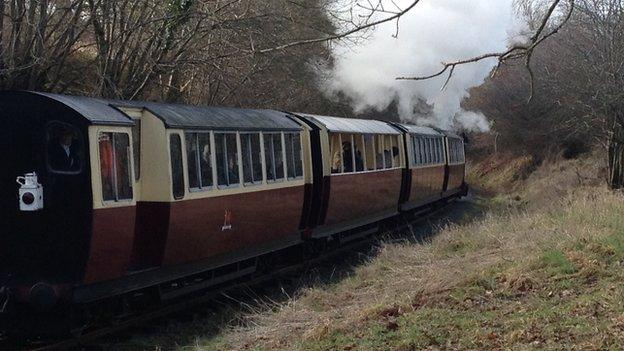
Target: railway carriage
(157,193)
(119,199)
(456,166)
(357,176)
(426,167)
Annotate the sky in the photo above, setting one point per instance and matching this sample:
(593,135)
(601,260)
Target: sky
(434,31)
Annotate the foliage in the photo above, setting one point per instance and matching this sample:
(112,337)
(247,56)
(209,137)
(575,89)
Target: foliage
(195,51)
(578,82)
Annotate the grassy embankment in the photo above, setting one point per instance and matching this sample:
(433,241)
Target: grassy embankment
(541,269)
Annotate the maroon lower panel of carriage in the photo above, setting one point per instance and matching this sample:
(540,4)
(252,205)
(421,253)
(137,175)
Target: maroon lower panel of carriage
(362,196)
(200,229)
(111,243)
(456,176)
(427,183)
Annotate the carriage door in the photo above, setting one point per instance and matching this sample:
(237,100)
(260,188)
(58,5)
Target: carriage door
(114,205)
(64,204)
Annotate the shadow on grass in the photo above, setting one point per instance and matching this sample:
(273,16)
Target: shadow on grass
(191,329)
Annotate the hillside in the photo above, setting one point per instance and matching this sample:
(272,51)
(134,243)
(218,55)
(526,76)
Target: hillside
(534,267)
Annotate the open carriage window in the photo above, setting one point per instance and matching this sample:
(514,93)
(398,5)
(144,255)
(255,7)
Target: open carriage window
(369,148)
(336,153)
(115,166)
(273,155)
(252,158)
(226,150)
(293,155)
(65,149)
(199,160)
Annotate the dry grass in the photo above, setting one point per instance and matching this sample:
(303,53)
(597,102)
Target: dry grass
(542,272)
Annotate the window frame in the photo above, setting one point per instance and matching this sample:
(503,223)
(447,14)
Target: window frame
(377,146)
(83,143)
(170,136)
(293,136)
(238,160)
(457,154)
(261,146)
(136,148)
(201,187)
(428,150)
(131,175)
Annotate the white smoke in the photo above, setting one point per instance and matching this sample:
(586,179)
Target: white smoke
(434,31)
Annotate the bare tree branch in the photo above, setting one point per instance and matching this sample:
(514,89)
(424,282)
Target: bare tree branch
(358,28)
(513,53)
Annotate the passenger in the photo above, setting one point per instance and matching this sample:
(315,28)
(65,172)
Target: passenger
(206,154)
(380,160)
(233,170)
(347,156)
(62,152)
(395,155)
(205,158)
(388,158)
(336,162)
(359,161)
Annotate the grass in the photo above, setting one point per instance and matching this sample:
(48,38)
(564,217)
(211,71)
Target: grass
(540,274)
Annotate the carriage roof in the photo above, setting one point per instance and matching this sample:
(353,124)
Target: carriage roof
(102,111)
(352,125)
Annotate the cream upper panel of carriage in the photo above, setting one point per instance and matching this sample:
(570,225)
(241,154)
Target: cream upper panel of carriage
(144,151)
(425,146)
(358,145)
(219,151)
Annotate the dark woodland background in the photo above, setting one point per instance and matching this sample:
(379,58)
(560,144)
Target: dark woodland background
(215,53)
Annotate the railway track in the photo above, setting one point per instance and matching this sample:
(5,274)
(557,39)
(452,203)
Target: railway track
(399,224)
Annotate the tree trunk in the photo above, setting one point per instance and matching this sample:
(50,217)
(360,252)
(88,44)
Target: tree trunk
(616,154)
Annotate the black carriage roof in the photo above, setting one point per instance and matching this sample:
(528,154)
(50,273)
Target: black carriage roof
(414,129)
(424,130)
(352,125)
(108,112)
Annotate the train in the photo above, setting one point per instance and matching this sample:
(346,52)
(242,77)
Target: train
(105,200)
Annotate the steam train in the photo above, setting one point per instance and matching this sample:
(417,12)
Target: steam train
(102,200)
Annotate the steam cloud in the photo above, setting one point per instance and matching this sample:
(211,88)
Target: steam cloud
(434,31)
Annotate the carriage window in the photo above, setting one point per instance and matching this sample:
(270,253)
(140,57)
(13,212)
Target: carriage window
(192,154)
(429,152)
(391,151)
(336,153)
(226,150)
(456,151)
(115,166)
(65,149)
(439,148)
(274,156)
(297,155)
(419,151)
(348,161)
(380,155)
(359,150)
(293,155)
(450,151)
(415,156)
(177,171)
(199,159)
(399,155)
(369,151)
(136,145)
(252,164)
(428,148)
